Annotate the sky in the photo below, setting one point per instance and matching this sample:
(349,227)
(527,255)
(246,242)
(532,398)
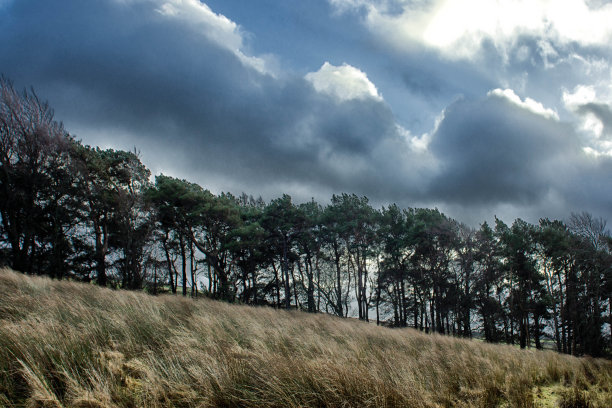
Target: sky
(480,108)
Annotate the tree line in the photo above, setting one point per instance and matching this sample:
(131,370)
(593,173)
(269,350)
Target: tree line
(73,211)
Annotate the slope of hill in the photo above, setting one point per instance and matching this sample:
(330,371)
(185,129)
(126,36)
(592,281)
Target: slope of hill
(65,344)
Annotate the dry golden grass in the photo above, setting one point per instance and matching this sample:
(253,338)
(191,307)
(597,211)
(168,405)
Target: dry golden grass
(65,344)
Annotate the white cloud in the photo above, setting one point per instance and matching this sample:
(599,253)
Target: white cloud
(547,52)
(215,27)
(604,151)
(343,82)
(528,104)
(589,122)
(593,124)
(457,27)
(582,94)
(600,93)
(421,143)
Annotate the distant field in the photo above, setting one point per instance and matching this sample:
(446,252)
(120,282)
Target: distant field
(65,344)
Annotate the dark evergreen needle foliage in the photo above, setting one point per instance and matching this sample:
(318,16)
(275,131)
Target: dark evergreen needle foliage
(83,213)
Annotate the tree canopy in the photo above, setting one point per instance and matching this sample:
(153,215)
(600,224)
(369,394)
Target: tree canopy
(80,212)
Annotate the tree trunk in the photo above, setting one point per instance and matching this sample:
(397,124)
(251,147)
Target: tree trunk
(295,291)
(311,288)
(549,286)
(183,264)
(536,332)
(285,271)
(523,330)
(338,305)
(192,269)
(100,255)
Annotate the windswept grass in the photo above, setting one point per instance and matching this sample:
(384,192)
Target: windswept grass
(66,344)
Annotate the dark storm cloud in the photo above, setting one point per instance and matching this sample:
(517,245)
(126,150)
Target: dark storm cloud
(114,65)
(121,74)
(493,150)
(601,111)
(589,188)
(494,153)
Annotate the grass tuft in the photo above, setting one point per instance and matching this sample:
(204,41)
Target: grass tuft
(65,344)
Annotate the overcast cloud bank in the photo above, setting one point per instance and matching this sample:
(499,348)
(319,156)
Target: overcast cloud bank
(506,116)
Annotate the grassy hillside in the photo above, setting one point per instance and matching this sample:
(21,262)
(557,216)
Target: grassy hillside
(66,344)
